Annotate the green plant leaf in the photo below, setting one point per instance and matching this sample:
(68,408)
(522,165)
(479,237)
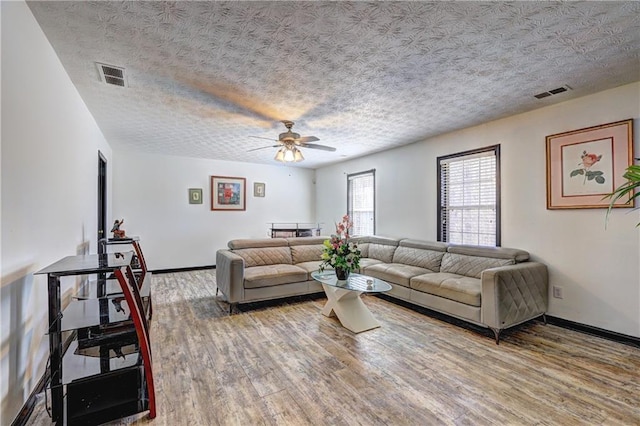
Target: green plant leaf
(599,179)
(619,193)
(576,172)
(632,173)
(627,189)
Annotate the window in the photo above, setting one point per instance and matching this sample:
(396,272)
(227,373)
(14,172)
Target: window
(469,197)
(361,201)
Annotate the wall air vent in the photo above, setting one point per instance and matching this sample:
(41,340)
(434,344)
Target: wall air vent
(112,75)
(553,92)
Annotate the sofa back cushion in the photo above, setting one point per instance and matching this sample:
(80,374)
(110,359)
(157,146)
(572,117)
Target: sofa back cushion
(306,253)
(265,256)
(307,249)
(307,241)
(423,254)
(516,255)
(363,246)
(470,266)
(257,243)
(382,248)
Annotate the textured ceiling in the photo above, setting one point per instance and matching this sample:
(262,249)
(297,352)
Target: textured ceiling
(363,77)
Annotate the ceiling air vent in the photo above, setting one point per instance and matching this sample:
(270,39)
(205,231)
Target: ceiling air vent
(111,74)
(553,92)
(543,95)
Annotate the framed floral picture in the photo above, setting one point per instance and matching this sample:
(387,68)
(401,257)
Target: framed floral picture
(585,165)
(228,193)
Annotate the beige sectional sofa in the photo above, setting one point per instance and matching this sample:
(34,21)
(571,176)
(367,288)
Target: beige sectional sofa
(252,270)
(493,287)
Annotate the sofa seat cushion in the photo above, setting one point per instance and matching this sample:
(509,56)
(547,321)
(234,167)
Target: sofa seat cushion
(270,275)
(368,261)
(450,286)
(312,266)
(395,273)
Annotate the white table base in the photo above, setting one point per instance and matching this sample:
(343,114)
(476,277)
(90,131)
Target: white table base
(349,308)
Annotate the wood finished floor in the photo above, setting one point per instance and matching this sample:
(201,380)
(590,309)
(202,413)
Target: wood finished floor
(286,364)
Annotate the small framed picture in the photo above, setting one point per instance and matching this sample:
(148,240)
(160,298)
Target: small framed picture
(228,193)
(585,165)
(195,195)
(258,189)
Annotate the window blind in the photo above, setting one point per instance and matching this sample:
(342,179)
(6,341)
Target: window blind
(361,202)
(469,197)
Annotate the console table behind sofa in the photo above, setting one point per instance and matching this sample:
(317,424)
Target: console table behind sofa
(292,230)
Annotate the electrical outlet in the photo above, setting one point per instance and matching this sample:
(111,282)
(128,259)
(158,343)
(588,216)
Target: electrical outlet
(557,292)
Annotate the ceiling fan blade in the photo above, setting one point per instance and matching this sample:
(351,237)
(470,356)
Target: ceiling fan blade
(306,139)
(263,147)
(316,146)
(260,137)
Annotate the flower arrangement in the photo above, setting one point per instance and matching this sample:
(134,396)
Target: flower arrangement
(339,252)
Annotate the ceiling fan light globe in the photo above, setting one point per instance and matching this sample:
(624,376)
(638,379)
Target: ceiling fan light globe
(279,156)
(289,156)
(297,156)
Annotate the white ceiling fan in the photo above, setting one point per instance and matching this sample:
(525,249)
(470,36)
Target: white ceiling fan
(289,143)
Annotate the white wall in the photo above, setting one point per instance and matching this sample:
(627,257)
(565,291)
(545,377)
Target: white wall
(151,193)
(48,197)
(597,268)
(50,146)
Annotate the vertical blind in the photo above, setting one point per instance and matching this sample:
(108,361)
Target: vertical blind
(361,202)
(469,198)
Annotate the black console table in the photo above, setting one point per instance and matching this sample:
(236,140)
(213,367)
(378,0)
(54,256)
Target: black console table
(105,365)
(290,230)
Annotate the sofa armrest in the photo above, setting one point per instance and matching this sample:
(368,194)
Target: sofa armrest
(230,275)
(514,294)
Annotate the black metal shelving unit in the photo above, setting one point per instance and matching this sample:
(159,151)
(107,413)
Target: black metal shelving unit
(102,371)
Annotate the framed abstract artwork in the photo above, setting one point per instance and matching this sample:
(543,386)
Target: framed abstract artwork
(585,165)
(195,195)
(228,193)
(258,189)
